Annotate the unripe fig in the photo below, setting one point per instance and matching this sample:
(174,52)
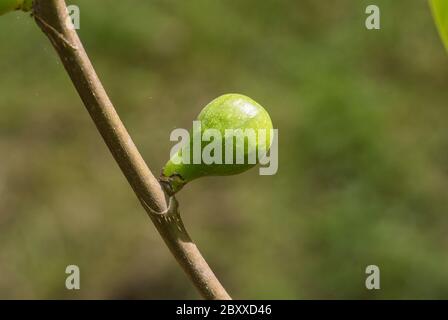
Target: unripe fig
(11,5)
(224,115)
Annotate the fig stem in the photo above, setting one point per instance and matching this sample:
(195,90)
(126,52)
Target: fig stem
(51,17)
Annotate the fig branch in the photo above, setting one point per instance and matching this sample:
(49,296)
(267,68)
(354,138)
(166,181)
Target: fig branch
(162,208)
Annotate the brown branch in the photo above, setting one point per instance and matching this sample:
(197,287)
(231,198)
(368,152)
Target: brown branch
(51,16)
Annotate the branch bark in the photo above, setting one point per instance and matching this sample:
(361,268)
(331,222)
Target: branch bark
(162,208)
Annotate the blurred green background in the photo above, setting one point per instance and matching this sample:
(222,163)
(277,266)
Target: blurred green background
(363,151)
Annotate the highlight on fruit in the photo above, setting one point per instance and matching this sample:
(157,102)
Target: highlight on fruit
(12,5)
(232,134)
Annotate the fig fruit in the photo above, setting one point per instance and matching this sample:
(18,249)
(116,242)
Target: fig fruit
(11,5)
(233,130)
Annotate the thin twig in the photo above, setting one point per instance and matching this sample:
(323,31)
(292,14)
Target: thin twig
(51,16)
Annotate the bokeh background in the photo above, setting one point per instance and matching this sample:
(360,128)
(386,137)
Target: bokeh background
(363,151)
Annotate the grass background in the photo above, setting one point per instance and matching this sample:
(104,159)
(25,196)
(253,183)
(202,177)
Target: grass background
(363,154)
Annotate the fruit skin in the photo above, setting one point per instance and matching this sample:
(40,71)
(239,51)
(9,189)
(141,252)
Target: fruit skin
(229,111)
(11,5)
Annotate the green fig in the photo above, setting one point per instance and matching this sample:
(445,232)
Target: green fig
(220,120)
(11,5)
